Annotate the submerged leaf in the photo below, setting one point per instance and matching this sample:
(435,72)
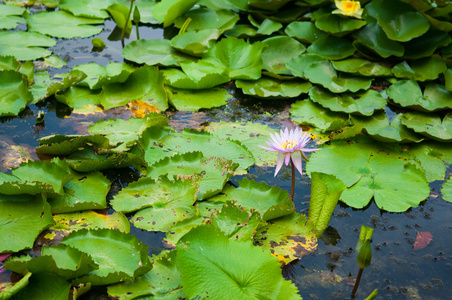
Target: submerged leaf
(423,238)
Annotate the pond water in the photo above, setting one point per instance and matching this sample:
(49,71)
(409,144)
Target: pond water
(397,271)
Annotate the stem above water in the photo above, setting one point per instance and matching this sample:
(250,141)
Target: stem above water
(292,188)
(358,279)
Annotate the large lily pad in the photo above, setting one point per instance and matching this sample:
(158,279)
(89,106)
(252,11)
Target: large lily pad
(342,48)
(120,256)
(304,31)
(206,266)
(86,8)
(191,140)
(238,58)
(216,171)
(269,201)
(166,11)
(163,281)
(420,70)
(61,24)
(319,70)
(379,128)
(83,192)
(337,24)
(147,192)
(195,43)
(430,125)
(362,103)
(362,67)
(204,18)
(426,45)
(193,100)
(400,21)
(368,172)
(14,94)
(66,144)
(42,286)
(154,52)
(289,238)
(10,16)
(408,93)
(25,45)
(279,50)
(446,190)
(145,84)
(22,218)
(270,88)
(307,112)
(372,38)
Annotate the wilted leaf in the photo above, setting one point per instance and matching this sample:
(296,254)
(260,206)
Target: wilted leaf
(423,238)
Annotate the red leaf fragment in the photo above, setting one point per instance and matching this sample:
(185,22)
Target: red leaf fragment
(423,238)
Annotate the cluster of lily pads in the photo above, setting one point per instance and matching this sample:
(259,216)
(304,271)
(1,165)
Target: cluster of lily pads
(374,86)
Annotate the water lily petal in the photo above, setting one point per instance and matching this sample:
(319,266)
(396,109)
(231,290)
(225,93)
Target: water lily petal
(296,160)
(279,163)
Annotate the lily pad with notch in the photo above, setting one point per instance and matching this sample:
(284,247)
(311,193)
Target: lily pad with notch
(430,125)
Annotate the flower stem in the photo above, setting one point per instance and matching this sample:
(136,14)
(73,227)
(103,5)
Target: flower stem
(127,21)
(292,188)
(358,279)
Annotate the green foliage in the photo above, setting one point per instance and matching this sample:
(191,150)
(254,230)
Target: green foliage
(25,45)
(14,94)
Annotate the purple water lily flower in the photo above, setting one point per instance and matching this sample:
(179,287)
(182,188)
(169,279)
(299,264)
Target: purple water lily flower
(290,145)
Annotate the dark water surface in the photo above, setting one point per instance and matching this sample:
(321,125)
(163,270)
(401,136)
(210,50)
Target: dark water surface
(396,271)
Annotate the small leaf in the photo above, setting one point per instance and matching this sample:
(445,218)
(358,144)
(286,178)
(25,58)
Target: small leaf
(423,238)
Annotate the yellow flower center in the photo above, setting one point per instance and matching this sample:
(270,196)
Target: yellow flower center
(350,6)
(288,145)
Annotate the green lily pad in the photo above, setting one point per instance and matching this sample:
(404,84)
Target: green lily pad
(307,112)
(269,201)
(420,70)
(433,158)
(88,160)
(54,61)
(408,93)
(394,183)
(14,94)
(10,16)
(61,24)
(35,177)
(361,103)
(195,76)
(242,31)
(10,289)
(68,80)
(137,195)
(66,144)
(120,14)
(304,31)
(426,45)
(204,18)
(319,70)
(163,281)
(154,52)
(216,171)
(289,238)
(236,222)
(61,260)
(238,58)
(22,218)
(86,8)
(379,128)
(338,25)
(195,43)
(266,87)
(145,9)
(400,21)
(166,11)
(80,98)
(25,45)
(83,192)
(120,256)
(268,26)
(430,125)
(249,134)
(193,100)
(42,286)
(342,48)
(249,273)
(126,133)
(75,221)
(279,50)
(145,84)
(372,38)
(164,213)
(362,67)
(192,140)
(446,190)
